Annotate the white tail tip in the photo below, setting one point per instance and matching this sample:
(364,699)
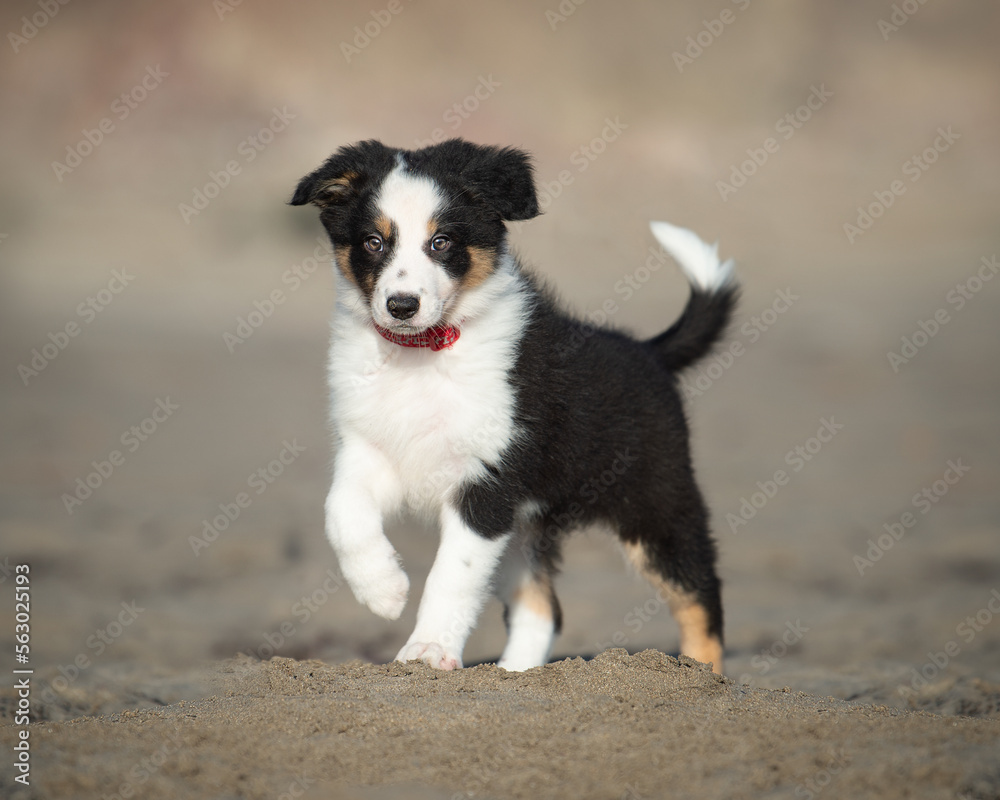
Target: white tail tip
(698,260)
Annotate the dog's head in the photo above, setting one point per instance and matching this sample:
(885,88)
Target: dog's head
(413,229)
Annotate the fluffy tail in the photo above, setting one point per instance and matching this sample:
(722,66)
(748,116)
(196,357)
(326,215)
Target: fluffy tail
(710,306)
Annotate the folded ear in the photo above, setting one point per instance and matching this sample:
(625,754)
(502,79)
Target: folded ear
(343,175)
(314,188)
(501,177)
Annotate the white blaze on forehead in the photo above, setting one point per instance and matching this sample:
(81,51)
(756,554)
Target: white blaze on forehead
(410,202)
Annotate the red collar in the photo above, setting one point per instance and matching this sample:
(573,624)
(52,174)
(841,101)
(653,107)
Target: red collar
(437,338)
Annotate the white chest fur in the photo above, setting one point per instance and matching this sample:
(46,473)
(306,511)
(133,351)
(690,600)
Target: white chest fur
(436,417)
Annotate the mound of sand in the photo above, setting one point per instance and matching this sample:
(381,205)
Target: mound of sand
(620,725)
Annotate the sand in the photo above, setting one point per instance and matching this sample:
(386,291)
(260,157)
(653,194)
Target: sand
(620,725)
(184,645)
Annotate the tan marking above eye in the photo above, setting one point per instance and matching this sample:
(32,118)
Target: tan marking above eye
(383,225)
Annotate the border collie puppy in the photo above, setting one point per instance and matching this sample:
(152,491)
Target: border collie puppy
(461,391)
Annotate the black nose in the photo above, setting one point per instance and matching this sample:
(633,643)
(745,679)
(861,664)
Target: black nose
(403,306)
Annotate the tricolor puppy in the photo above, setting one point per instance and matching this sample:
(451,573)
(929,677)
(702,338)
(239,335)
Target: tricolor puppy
(459,389)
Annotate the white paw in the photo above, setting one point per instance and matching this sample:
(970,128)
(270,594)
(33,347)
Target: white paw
(383,588)
(431,653)
(518,664)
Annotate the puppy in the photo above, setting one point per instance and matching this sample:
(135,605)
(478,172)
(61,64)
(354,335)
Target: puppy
(460,390)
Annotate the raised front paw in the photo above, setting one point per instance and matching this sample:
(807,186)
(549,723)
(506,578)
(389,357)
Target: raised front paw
(430,653)
(383,587)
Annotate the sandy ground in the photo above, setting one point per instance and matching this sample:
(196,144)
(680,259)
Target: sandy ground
(645,725)
(862,589)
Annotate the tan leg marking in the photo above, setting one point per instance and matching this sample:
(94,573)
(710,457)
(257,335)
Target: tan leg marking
(534,594)
(690,615)
(696,642)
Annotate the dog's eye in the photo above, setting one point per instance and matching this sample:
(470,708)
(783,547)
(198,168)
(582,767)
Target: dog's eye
(373,244)
(440,243)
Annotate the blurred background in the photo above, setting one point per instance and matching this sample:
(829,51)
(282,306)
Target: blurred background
(163,318)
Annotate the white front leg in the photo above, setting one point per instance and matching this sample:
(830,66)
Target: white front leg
(364,488)
(457,588)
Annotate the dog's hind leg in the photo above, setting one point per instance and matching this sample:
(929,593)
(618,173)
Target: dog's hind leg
(531,610)
(688,583)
